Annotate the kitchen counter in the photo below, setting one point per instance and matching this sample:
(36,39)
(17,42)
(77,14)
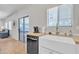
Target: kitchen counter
(62,39)
(35,34)
(75,38)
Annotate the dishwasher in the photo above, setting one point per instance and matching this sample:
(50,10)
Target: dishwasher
(32,44)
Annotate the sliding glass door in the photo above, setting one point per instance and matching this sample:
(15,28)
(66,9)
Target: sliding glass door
(23,28)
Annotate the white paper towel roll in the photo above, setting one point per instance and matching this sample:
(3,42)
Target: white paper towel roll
(43,29)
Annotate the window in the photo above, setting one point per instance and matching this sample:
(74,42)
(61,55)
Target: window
(61,15)
(24,24)
(52,16)
(65,15)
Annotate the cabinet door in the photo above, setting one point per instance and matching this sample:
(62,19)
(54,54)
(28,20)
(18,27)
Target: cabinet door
(43,50)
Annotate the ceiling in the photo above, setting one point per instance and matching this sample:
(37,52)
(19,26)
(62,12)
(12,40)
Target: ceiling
(8,9)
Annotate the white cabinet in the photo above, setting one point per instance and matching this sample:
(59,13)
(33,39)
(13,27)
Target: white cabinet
(49,44)
(46,47)
(44,50)
(77,49)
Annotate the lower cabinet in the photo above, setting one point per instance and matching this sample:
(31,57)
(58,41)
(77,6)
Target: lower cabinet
(44,50)
(50,45)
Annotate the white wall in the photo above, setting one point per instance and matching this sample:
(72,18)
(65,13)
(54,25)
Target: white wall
(1,22)
(76,19)
(75,22)
(14,31)
(38,16)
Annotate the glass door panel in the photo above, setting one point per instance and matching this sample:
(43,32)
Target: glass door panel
(23,28)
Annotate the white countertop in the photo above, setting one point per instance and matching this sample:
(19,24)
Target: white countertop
(35,34)
(68,40)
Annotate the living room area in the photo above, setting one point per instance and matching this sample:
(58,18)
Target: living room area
(9,32)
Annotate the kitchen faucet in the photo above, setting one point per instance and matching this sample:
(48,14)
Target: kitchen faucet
(57,30)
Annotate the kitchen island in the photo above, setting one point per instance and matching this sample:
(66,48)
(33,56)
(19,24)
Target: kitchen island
(49,44)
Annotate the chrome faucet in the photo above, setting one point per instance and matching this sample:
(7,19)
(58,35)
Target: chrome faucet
(57,30)
(70,34)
